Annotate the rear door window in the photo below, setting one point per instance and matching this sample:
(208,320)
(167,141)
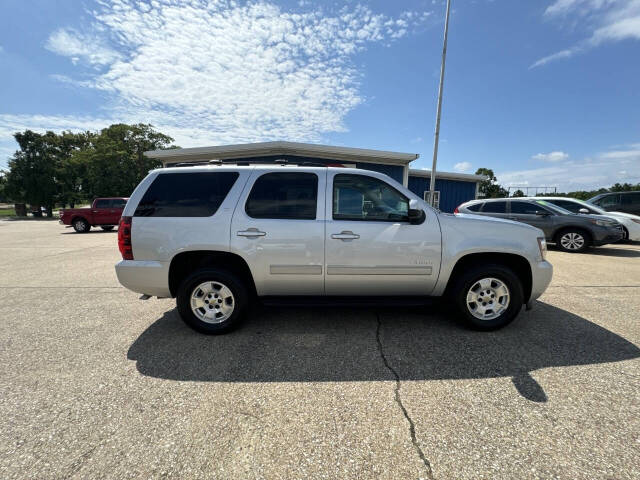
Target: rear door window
(197,194)
(118,203)
(475,207)
(631,199)
(495,207)
(103,203)
(286,195)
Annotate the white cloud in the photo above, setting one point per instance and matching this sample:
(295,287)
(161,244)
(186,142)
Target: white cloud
(604,20)
(224,72)
(551,156)
(78,46)
(462,167)
(601,170)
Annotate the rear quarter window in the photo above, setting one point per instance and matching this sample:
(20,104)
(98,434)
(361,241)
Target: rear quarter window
(475,207)
(197,194)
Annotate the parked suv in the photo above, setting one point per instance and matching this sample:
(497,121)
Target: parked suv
(215,237)
(569,231)
(627,202)
(630,223)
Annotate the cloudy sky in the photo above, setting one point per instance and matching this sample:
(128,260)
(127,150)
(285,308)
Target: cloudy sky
(545,93)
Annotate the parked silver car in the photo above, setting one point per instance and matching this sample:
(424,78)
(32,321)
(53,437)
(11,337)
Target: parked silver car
(569,231)
(216,236)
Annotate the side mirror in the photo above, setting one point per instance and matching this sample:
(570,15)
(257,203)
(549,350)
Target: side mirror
(583,210)
(416,216)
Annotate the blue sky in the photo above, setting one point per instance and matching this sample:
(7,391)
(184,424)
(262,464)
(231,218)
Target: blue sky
(542,92)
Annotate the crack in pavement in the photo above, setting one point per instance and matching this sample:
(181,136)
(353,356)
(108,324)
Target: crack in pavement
(412,427)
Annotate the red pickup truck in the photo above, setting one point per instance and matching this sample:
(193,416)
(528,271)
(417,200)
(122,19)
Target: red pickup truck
(104,213)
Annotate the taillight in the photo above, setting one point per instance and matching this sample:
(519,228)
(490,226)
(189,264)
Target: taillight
(456,210)
(124,238)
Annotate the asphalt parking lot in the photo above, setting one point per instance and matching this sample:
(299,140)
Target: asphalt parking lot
(95,383)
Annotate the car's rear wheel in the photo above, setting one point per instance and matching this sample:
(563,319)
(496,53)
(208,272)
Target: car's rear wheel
(80,225)
(488,297)
(107,228)
(573,240)
(212,301)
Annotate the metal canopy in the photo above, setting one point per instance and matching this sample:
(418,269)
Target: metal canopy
(246,150)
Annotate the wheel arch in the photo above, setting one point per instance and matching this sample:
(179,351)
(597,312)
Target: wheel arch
(519,264)
(184,263)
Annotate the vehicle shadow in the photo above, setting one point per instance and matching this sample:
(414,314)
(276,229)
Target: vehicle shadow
(333,345)
(615,252)
(92,231)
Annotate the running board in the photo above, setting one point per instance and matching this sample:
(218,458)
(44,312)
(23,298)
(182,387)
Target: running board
(355,301)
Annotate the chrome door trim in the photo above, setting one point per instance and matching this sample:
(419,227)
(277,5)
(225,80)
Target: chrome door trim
(378,270)
(295,269)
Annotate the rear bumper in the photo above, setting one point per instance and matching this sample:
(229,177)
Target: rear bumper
(542,273)
(144,276)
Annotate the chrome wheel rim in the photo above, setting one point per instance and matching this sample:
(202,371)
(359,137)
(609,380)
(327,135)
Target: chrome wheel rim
(80,226)
(488,298)
(212,302)
(572,241)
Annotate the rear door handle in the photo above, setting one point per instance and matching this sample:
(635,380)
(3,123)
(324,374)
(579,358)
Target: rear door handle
(251,233)
(345,235)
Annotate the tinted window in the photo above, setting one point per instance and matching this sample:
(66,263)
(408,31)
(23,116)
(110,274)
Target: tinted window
(117,203)
(631,199)
(608,201)
(284,195)
(475,207)
(360,197)
(186,194)
(105,203)
(525,208)
(495,207)
(568,205)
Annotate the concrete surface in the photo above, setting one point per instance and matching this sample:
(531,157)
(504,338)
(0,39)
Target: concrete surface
(97,384)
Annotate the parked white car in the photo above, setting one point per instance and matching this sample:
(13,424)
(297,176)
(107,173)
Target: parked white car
(216,237)
(630,223)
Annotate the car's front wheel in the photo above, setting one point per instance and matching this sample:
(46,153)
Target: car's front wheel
(572,241)
(488,297)
(212,301)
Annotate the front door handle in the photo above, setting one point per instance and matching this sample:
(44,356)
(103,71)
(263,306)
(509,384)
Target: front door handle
(345,235)
(251,233)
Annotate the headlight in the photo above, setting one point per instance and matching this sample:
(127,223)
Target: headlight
(542,244)
(604,223)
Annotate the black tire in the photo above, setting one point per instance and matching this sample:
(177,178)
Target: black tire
(240,300)
(107,228)
(579,234)
(80,225)
(470,277)
(624,239)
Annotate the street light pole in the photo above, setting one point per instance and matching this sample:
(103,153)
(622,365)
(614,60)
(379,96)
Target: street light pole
(432,184)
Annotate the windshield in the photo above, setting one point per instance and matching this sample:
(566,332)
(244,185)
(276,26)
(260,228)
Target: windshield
(590,206)
(554,208)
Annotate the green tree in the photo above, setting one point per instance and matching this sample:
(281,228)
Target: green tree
(115,161)
(490,188)
(518,193)
(31,177)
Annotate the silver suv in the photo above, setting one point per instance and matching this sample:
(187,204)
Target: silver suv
(217,236)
